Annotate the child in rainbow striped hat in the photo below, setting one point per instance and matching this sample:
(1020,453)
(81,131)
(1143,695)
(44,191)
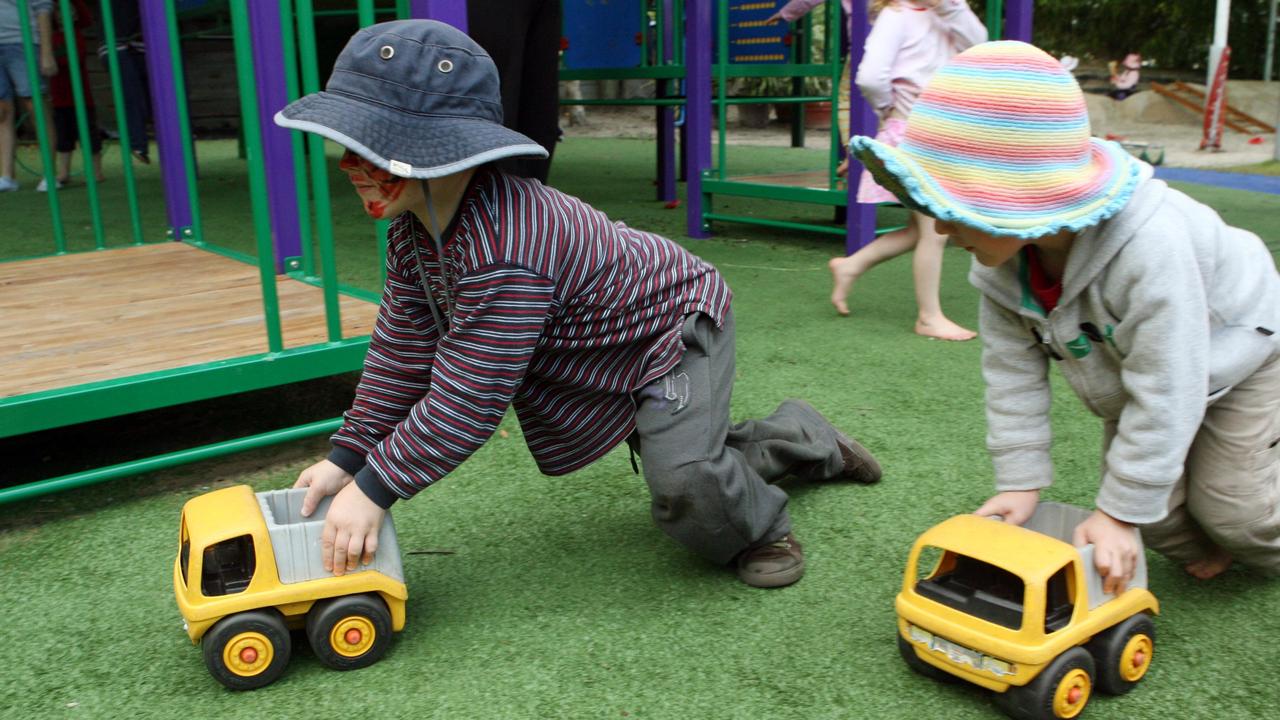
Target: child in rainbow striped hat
(1161,317)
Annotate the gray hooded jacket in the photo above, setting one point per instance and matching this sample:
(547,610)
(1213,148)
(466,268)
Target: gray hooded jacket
(1164,309)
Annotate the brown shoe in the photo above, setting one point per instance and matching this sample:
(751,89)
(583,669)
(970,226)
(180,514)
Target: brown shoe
(859,464)
(777,564)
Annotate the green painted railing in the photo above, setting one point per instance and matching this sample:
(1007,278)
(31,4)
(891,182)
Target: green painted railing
(277,365)
(42,131)
(122,126)
(196,231)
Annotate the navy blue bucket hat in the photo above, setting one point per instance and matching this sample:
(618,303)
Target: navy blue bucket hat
(417,98)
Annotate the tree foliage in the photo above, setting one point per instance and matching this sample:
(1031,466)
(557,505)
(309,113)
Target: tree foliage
(1175,34)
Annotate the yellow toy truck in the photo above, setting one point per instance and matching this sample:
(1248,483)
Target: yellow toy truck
(1021,611)
(248,570)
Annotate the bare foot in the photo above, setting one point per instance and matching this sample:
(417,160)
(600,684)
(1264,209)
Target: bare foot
(1208,567)
(842,278)
(944,329)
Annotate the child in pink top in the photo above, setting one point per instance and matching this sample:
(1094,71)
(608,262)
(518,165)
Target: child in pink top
(908,42)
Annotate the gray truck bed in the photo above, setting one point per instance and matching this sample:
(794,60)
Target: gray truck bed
(1059,520)
(296,540)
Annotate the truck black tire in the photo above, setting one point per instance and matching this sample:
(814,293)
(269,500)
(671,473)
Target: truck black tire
(1123,654)
(349,632)
(247,650)
(1060,692)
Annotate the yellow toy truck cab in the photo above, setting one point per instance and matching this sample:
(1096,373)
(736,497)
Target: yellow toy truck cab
(249,569)
(1021,611)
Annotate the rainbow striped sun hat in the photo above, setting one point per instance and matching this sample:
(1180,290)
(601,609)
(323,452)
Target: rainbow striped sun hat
(999,141)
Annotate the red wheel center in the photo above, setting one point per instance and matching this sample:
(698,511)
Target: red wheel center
(353,636)
(248,656)
(1073,695)
(1138,658)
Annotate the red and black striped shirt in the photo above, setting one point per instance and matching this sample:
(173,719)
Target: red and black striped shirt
(557,310)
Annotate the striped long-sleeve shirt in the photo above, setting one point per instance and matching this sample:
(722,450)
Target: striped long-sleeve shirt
(556,310)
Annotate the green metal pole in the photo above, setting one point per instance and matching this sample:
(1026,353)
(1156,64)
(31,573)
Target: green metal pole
(42,134)
(289,50)
(82,122)
(365,15)
(644,34)
(257,175)
(365,12)
(319,175)
(196,232)
(160,462)
(995,18)
(836,62)
(722,76)
(122,124)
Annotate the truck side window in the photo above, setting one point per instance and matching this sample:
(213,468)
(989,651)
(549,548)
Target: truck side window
(228,567)
(184,551)
(1057,601)
(977,588)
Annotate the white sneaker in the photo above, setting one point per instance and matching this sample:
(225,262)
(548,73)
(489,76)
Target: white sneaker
(8,184)
(44,185)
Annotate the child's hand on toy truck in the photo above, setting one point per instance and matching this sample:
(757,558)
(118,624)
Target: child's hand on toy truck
(350,535)
(1115,552)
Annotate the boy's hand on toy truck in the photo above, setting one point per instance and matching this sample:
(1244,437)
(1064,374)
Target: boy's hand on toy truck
(321,480)
(1013,506)
(1115,552)
(350,535)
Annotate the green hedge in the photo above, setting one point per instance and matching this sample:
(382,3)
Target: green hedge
(1176,34)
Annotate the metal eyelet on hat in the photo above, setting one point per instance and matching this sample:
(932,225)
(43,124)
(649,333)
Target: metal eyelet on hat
(387,52)
(445,66)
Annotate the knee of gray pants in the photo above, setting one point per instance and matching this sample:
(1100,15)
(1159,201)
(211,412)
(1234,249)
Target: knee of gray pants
(690,504)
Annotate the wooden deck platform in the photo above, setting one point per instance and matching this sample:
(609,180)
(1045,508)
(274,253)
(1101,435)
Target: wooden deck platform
(107,315)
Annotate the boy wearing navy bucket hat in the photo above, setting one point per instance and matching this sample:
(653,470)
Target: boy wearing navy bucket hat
(1161,317)
(503,292)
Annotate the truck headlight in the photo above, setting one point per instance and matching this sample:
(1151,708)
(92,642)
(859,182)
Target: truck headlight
(919,634)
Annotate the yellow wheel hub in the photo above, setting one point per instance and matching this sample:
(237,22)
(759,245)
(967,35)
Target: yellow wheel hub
(1072,694)
(352,636)
(1136,658)
(248,654)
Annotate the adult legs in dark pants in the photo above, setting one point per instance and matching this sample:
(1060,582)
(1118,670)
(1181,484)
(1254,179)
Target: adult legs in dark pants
(137,105)
(709,480)
(523,38)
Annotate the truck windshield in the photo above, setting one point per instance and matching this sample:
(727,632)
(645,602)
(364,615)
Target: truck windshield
(228,567)
(977,588)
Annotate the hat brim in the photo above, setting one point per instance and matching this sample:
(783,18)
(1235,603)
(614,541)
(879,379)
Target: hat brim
(901,175)
(404,144)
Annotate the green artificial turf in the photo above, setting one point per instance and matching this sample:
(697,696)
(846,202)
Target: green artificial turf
(556,597)
(1270,167)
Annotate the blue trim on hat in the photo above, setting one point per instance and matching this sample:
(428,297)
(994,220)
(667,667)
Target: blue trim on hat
(882,160)
(421,173)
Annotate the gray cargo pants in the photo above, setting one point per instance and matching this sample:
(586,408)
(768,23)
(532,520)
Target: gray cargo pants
(709,481)
(1229,494)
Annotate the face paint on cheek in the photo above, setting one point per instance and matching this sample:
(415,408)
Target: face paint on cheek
(349,161)
(393,190)
(375,208)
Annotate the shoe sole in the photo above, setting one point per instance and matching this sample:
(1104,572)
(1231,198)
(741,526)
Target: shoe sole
(774,580)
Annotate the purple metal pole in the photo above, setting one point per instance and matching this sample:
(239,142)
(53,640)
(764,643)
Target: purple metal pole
(697,110)
(860,222)
(667,115)
(277,145)
(1017,20)
(164,108)
(453,12)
